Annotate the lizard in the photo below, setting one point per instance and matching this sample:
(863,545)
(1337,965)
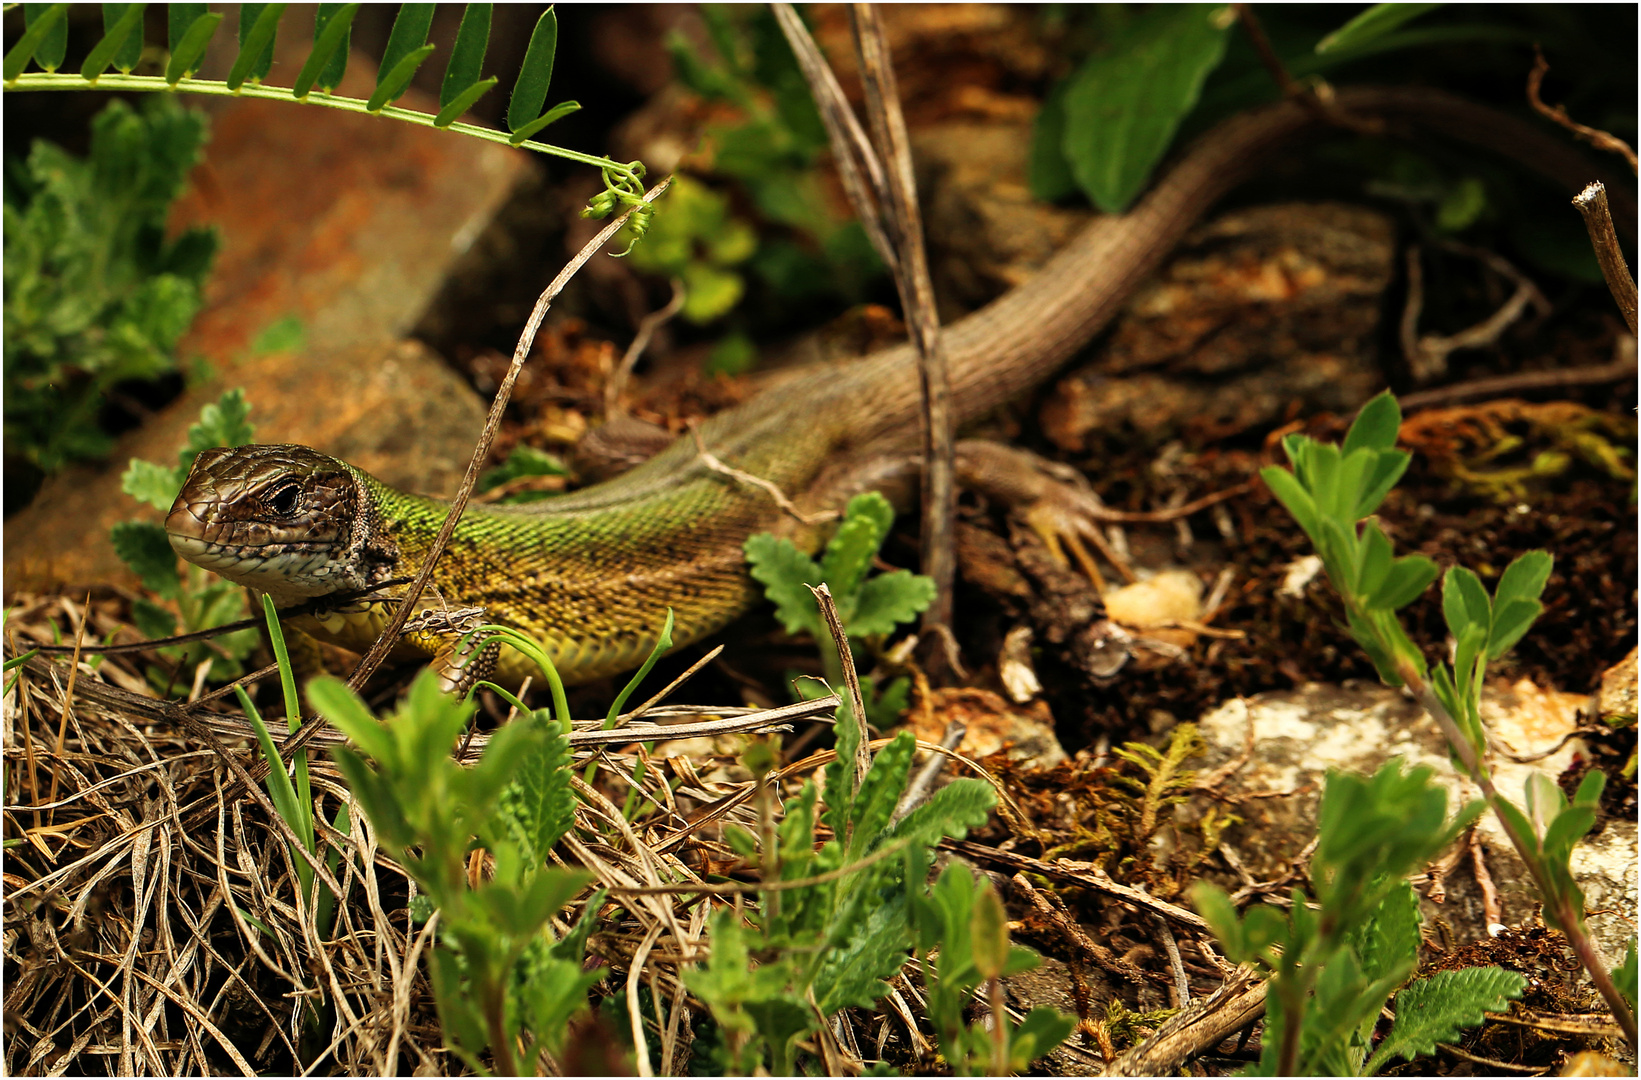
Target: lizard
(588,574)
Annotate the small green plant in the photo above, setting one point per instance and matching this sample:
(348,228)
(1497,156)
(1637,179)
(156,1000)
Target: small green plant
(190,28)
(846,919)
(962,944)
(1334,964)
(868,607)
(523,463)
(95,293)
(202,599)
(502,982)
(1330,492)
(699,243)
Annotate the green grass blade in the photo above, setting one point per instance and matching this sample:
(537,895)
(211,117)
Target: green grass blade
(557,112)
(280,791)
(186,56)
(452,112)
(20,54)
(661,646)
(530,91)
(54,44)
(115,35)
(258,23)
(329,59)
(397,81)
(466,57)
(1372,24)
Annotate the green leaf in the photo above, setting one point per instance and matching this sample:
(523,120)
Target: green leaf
(281,335)
(1625,975)
(464,101)
(118,22)
(1407,580)
(1438,1009)
(153,484)
(329,59)
(1511,619)
(530,91)
(866,521)
(1465,604)
(1051,178)
(709,291)
(785,572)
(392,86)
(988,931)
(961,806)
(538,804)
(221,423)
(1524,578)
(129,51)
(258,23)
(54,45)
(1293,496)
(1375,560)
(18,56)
(187,53)
(466,58)
(1374,23)
(147,550)
(1387,469)
(1375,425)
(1123,106)
(551,116)
(888,600)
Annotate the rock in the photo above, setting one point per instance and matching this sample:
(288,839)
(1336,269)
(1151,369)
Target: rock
(1298,735)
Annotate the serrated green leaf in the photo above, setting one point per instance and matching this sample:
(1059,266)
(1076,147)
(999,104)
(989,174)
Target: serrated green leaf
(530,91)
(187,53)
(118,24)
(326,65)
(153,484)
(147,550)
(1124,105)
(53,46)
(1407,580)
(880,791)
(466,57)
(538,804)
(886,601)
(258,23)
(1438,1009)
(1372,24)
(961,806)
(223,422)
(849,553)
(785,573)
(43,25)
(392,86)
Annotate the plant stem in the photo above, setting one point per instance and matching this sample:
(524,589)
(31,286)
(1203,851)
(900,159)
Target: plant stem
(999,1028)
(151,83)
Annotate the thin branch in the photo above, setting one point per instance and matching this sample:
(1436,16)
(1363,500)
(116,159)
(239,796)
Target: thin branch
(1597,138)
(1592,204)
(640,341)
(390,636)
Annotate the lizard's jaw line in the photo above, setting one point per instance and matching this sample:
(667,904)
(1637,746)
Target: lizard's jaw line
(282,574)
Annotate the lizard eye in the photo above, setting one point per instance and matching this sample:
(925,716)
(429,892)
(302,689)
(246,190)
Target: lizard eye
(283,500)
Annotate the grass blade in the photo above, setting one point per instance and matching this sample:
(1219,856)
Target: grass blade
(466,57)
(258,23)
(115,35)
(530,92)
(662,644)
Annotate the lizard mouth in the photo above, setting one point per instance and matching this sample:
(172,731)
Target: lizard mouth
(280,568)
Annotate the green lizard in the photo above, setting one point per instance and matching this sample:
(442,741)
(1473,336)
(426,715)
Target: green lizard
(588,573)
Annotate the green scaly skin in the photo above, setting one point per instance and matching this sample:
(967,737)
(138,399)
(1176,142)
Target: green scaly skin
(590,574)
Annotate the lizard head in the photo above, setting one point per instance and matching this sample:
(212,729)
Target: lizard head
(284,520)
